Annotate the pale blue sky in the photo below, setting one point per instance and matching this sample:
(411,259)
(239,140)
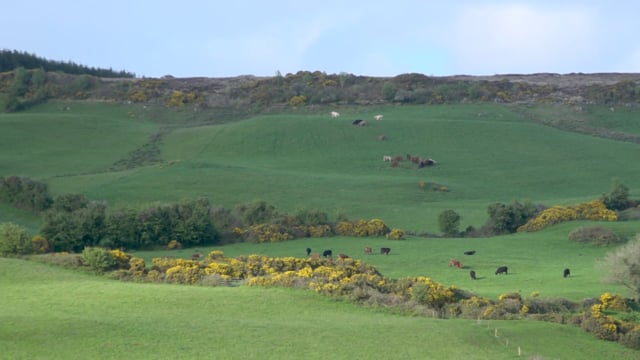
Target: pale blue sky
(386,38)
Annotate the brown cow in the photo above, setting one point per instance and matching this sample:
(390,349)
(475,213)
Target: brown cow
(343,256)
(367,250)
(456,263)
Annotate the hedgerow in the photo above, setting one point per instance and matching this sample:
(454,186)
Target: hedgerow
(594,210)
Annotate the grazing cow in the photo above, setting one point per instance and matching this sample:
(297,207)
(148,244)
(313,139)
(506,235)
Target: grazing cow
(382,137)
(395,163)
(470,252)
(473,275)
(327,253)
(387,158)
(567,272)
(363,123)
(398,158)
(308,251)
(357,121)
(378,117)
(343,256)
(335,114)
(367,250)
(385,251)
(502,270)
(456,263)
(427,162)
(315,256)
(415,159)
(196,256)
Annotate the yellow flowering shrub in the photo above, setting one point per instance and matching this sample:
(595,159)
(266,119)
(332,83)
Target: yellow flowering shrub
(361,228)
(121,257)
(174,244)
(613,302)
(395,234)
(594,210)
(319,231)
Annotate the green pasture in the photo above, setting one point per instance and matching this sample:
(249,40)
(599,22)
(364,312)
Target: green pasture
(486,153)
(535,260)
(52,313)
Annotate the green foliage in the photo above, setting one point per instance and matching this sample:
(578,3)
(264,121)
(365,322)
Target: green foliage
(618,197)
(449,221)
(70,202)
(14,240)
(99,259)
(595,235)
(256,213)
(504,219)
(25,193)
(312,217)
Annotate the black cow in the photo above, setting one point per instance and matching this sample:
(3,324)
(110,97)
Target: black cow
(385,251)
(470,252)
(357,121)
(327,253)
(502,270)
(566,273)
(472,274)
(308,251)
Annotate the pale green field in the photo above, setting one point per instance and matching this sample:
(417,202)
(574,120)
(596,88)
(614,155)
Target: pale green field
(52,313)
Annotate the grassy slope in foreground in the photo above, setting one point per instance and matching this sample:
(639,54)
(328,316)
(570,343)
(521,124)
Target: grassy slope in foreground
(52,313)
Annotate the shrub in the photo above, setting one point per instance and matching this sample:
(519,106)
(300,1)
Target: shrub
(594,210)
(99,259)
(41,244)
(174,244)
(449,220)
(14,240)
(395,234)
(631,339)
(595,235)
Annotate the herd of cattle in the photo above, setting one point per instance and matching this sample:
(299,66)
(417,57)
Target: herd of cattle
(453,262)
(394,160)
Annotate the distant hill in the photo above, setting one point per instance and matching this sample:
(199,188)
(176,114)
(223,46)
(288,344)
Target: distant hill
(27,79)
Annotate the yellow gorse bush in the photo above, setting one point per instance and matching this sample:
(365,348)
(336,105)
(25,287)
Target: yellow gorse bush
(594,210)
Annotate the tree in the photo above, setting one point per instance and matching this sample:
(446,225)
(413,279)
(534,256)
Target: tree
(622,266)
(14,240)
(618,198)
(449,221)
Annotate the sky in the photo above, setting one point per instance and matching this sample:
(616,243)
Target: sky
(193,38)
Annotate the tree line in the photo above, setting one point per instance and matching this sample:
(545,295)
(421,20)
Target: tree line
(13,59)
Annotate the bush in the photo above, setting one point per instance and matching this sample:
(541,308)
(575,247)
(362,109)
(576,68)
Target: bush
(14,240)
(631,339)
(595,235)
(99,259)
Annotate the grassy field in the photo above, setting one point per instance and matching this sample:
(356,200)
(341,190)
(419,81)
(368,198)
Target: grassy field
(52,313)
(486,153)
(535,260)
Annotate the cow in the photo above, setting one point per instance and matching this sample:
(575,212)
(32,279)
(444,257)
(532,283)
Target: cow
(456,263)
(470,252)
(385,251)
(415,159)
(363,123)
(473,275)
(382,137)
(502,270)
(566,273)
(357,121)
(308,251)
(367,250)
(335,114)
(378,117)
(196,256)
(398,158)
(394,163)
(426,162)
(343,256)
(387,158)
(327,253)
(315,256)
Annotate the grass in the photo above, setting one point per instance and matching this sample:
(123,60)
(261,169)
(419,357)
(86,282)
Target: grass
(535,260)
(52,313)
(486,153)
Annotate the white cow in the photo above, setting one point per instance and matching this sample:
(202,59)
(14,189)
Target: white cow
(335,114)
(378,117)
(387,158)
